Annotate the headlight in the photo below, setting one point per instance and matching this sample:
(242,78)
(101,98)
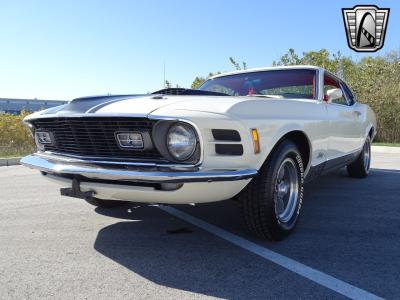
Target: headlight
(181,141)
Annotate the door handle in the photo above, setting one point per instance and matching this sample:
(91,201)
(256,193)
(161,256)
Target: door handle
(357,113)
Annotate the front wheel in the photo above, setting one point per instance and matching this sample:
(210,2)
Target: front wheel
(271,203)
(360,167)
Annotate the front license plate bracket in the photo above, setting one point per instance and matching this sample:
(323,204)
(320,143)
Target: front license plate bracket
(75,191)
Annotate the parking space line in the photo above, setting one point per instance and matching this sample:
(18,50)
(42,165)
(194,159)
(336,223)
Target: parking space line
(314,275)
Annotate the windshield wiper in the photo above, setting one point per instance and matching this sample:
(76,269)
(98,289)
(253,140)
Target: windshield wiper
(267,96)
(188,92)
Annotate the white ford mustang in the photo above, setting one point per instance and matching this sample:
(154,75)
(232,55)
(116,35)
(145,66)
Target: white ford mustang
(256,135)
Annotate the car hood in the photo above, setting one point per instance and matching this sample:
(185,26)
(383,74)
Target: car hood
(140,106)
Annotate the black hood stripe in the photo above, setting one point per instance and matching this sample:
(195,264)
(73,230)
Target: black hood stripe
(93,104)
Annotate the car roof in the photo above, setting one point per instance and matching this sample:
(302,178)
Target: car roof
(268,69)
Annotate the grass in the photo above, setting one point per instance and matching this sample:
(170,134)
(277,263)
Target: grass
(15,138)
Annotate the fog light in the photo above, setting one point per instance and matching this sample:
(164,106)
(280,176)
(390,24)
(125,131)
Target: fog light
(43,137)
(130,140)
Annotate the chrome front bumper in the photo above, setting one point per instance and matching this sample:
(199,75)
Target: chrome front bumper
(55,165)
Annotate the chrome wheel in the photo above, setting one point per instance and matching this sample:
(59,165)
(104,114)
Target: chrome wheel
(286,190)
(271,203)
(367,155)
(359,168)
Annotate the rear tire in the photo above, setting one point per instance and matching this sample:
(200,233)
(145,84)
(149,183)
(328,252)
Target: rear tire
(272,201)
(105,203)
(360,167)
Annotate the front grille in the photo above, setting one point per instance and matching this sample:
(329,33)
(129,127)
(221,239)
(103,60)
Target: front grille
(94,137)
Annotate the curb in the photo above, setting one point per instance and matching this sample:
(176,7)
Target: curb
(12,161)
(385,149)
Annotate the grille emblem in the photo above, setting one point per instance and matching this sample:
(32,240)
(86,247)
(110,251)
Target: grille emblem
(130,140)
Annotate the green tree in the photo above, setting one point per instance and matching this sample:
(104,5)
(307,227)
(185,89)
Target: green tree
(288,59)
(237,65)
(374,80)
(198,81)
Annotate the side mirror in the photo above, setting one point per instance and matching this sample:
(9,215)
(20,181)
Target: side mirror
(334,94)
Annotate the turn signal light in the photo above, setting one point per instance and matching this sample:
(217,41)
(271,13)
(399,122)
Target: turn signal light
(256,140)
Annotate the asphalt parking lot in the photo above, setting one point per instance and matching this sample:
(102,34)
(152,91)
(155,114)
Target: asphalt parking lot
(60,247)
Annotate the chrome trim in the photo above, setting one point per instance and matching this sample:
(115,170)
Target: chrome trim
(367,155)
(134,175)
(320,93)
(287,190)
(70,158)
(33,117)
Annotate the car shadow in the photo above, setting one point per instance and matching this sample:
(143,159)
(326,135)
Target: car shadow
(171,253)
(341,215)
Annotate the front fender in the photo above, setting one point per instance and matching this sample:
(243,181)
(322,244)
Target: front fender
(272,140)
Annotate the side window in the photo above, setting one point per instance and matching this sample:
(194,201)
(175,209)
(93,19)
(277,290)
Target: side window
(348,93)
(332,83)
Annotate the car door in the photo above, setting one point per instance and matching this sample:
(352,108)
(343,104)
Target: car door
(358,111)
(344,135)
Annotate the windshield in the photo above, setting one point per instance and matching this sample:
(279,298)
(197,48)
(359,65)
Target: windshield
(291,83)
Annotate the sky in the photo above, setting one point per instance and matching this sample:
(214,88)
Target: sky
(67,49)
